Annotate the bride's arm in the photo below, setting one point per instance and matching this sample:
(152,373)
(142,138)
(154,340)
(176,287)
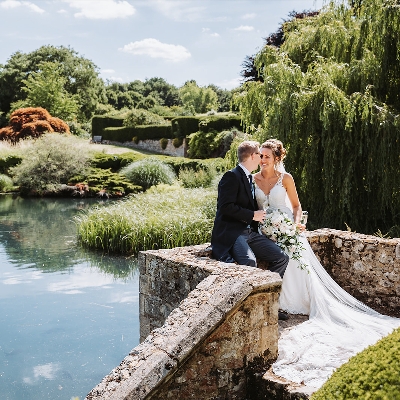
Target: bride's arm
(289,185)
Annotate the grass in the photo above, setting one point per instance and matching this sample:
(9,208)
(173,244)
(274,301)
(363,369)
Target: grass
(163,217)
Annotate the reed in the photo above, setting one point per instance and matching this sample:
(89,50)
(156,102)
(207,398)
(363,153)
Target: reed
(163,217)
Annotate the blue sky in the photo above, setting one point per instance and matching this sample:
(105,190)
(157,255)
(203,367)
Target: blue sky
(127,40)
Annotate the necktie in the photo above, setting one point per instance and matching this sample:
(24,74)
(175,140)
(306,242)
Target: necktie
(251,185)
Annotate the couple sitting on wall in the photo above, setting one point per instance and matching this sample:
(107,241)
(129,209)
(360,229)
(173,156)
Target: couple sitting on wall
(339,325)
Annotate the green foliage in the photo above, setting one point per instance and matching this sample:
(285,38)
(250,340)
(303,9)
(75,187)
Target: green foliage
(142,117)
(105,179)
(82,130)
(184,126)
(196,179)
(140,132)
(6,183)
(163,143)
(177,142)
(372,374)
(224,98)
(49,162)
(100,122)
(219,123)
(330,93)
(179,163)
(148,172)
(45,88)
(114,161)
(162,217)
(200,99)
(210,144)
(8,161)
(82,80)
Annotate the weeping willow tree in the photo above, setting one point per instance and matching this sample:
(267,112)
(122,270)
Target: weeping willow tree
(331,93)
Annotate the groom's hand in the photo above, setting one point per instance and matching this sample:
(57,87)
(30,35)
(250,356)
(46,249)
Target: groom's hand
(259,215)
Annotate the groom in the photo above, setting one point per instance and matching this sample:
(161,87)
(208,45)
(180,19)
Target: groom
(235,235)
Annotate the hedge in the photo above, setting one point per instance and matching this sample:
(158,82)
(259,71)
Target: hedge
(141,132)
(219,124)
(372,374)
(110,128)
(178,163)
(184,126)
(100,122)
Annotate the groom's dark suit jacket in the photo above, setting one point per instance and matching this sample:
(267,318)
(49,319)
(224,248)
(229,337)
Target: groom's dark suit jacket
(235,211)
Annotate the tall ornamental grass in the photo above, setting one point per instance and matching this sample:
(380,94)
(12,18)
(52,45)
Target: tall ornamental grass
(163,217)
(148,172)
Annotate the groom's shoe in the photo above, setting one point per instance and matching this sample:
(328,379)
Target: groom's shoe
(283,315)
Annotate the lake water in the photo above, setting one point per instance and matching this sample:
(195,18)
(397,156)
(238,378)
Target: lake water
(67,317)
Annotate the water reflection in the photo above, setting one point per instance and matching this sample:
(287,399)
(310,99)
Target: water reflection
(67,316)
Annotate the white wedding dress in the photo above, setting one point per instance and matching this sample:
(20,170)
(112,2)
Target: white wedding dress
(339,325)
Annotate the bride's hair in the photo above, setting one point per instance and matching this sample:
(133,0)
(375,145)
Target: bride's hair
(277,149)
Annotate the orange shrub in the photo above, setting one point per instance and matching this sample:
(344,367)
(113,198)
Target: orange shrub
(31,122)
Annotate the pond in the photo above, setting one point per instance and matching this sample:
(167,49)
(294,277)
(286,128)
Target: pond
(67,317)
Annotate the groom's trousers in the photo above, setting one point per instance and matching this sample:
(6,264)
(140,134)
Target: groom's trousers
(250,246)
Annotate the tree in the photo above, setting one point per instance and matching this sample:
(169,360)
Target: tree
(164,92)
(224,97)
(46,89)
(200,99)
(330,92)
(81,75)
(250,71)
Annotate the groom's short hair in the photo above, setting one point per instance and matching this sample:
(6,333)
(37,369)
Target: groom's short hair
(246,149)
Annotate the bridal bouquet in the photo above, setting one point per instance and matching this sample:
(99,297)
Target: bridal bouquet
(282,230)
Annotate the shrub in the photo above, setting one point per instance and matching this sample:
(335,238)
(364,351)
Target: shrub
(220,123)
(6,183)
(9,161)
(49,162)
(142,117)
(99,123)
(149,172)
(210,144)
(113,161)
(163,143)
(177,142)
(31,122)
(196,179)
(162,217)
(371,374)
(105,180)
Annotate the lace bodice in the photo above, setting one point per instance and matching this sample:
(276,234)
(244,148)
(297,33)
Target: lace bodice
(276,199)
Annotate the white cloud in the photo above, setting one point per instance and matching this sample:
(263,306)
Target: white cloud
(155,49)
(249,16)
(105,9)
(215,34)
(207,30)
(176,10)
(244,28)
(9,4)
(229,84)
(62,11)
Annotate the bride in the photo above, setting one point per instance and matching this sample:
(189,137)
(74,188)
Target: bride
(339,326)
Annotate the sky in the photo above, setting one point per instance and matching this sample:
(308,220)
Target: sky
(177,40)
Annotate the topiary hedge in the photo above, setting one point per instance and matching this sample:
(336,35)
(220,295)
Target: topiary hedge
(140,132)
(372,374)
(184,126)
(220,123)
(99,123)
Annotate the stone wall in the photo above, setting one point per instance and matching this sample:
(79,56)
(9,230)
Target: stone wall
(154,146)
(368,267)
(223,330)
(210,329)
